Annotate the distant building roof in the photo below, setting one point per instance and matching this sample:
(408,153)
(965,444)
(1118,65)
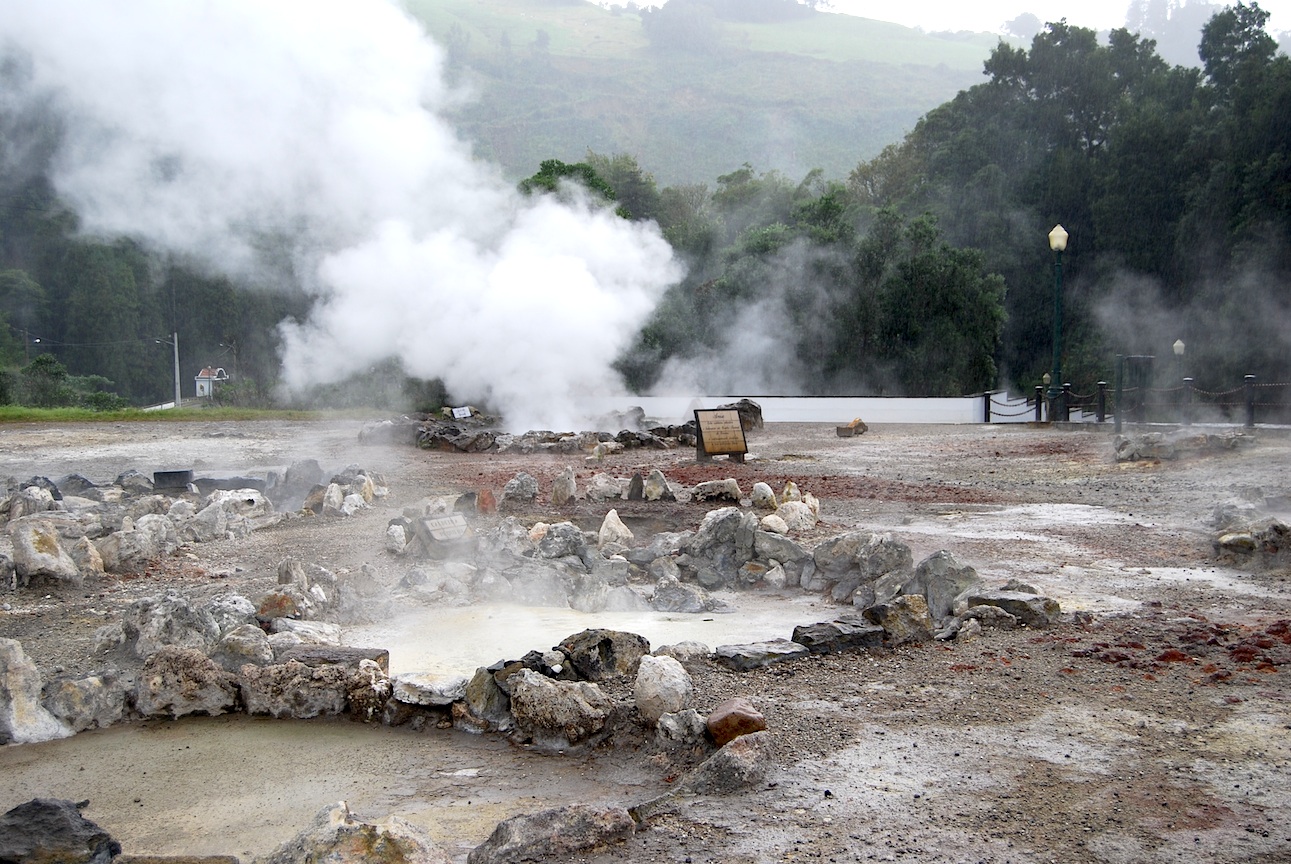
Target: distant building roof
(209,373)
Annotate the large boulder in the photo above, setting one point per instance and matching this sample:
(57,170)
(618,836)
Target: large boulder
(1032,610)
(175,682)
(742,763)
(735,717)
(338,836)
(131,551)
(554,834)
(244,644)
(23,720)
(905,619)
(756,655)
(38,552)
(558,714)
(940,578)
(663,687)
(155,622)
(598,655)
(53,831)
(95,702)
(294,689)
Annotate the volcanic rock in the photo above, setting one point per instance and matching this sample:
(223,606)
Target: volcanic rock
(662,687)
(905,619)
(557,714)
(756,655)
(95,702)
(53,831)
(599,655)
(742,763)
(553,834)
(23,720)
(176,682)
(1032,610)
(337,836)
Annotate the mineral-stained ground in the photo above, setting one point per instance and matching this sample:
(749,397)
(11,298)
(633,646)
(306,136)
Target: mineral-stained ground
(1152,724)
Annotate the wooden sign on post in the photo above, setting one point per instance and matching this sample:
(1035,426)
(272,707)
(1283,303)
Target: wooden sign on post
(719,433)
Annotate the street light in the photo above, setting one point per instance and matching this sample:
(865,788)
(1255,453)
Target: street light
(173,341)
(1178,356)
(1058,243)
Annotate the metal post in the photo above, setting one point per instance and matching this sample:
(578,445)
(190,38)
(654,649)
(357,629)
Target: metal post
(1250,401)
(175,342)
(1120,390)
(1187,401)
(1055,383)
(986,407)
(1065,408)
(1101,413)
(1039,401)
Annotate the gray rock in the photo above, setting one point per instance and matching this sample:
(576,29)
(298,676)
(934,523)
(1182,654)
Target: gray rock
(662,687)
(742,763)
(484,706)
(603,487)
(599,655)
(131,551)
(428,688)
(685,728)
(756,655)
(176,682)
(905,619)
(554,834)
(53,831)
(95,702)
(558,714)
(338,836)
(294,690)
(231,610)
(246,643)
(940,578)
(656,488)
(521,489)
(23,720)
(134,483)
(829,638)
(670,595)
(686,653)
(989,618)
(763,497)
(624,599)
(38,552)
(156,622)
(31,500)
(775,547)
(563,488)
(1032,610)
(871,555)
(717,490)
(562,539)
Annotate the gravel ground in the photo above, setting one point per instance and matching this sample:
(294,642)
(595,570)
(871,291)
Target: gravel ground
(1151,725)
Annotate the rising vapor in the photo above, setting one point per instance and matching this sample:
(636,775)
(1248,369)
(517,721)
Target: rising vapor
(306,136)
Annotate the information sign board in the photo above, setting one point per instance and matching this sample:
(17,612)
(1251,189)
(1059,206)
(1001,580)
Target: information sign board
(719,433)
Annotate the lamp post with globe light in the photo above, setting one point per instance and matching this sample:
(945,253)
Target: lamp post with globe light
(1058,243)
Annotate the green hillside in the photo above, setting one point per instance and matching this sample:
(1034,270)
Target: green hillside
(555,79)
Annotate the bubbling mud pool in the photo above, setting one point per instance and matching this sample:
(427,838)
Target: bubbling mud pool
(460,640)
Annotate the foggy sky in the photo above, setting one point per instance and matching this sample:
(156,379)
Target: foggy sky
(305,136)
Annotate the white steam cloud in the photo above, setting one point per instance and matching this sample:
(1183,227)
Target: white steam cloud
(308,133)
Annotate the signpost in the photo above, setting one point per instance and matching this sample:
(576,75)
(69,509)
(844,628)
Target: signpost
(719,433)
(443,536)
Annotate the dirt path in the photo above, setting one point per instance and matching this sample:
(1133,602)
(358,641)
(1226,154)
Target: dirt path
(1153,727)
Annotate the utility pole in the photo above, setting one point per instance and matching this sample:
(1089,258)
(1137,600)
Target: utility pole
(175,342)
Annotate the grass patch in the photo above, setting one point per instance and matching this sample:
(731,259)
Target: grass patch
(18,414)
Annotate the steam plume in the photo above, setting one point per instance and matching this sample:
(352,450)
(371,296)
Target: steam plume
(306,137)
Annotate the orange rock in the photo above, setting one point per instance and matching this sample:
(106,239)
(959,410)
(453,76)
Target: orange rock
(733,718)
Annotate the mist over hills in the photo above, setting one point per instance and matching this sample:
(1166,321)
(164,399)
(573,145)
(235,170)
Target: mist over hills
(693,97)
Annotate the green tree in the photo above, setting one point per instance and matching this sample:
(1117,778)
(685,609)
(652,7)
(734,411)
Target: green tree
(553,172)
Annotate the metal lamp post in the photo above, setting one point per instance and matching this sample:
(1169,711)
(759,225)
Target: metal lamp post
(1178,356)
(174,342)
(1058,243)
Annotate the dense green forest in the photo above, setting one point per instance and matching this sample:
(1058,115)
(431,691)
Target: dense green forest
(927,271)
(923,270)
